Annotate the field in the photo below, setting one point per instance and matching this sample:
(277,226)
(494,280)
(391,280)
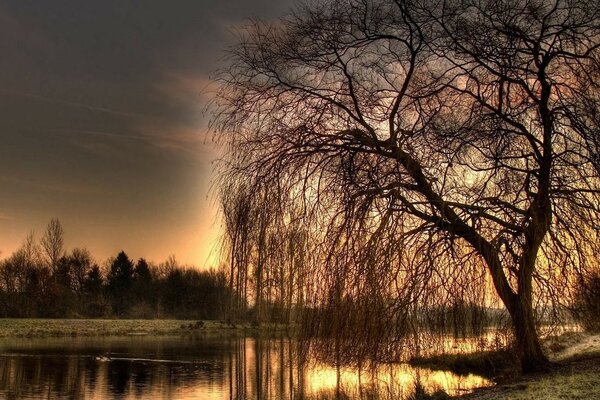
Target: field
(118,327)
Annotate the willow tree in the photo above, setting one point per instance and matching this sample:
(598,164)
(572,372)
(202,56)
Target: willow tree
(467,126)
(265,247)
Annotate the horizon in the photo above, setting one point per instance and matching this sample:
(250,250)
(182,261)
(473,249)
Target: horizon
(212,252)
(106,130)
(301,199)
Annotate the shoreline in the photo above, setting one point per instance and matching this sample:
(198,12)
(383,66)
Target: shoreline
(577,378)
(574,373)
(49,328)
(575,356)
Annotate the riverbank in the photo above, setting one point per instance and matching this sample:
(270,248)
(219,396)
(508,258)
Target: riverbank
(40,328)
(575,373)
(570,379)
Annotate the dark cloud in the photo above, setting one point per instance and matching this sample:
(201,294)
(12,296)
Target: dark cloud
(101,122)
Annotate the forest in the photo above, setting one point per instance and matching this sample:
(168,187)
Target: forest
(42,279)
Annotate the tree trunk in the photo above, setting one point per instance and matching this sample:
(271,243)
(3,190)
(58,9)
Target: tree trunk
(519,306)
(529,349)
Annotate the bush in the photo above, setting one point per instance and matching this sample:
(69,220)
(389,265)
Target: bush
(490,364)
(420,393)
(587,302)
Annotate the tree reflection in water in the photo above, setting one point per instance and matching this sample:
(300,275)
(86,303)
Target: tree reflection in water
(200,368)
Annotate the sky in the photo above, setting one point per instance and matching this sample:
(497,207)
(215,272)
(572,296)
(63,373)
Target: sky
(102,122)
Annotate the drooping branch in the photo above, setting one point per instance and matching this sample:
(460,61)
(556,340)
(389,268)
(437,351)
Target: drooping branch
(468,127)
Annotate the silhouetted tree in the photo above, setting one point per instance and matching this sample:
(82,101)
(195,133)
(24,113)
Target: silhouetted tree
(142,271)
(53,243)
(76,287)
(120,283)
(144,290)
(174,292)
(237,209)
(425,140)
(95,303)
(64,299)
(93,281)
(81,264)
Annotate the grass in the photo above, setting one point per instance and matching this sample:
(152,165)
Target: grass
(29,327)
(572,345)
(575,373)
(578,379)
(495,365)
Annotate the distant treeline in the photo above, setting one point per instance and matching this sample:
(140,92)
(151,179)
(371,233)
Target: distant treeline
(40,279)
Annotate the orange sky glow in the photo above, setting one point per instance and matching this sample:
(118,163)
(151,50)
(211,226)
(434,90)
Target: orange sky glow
(107,129)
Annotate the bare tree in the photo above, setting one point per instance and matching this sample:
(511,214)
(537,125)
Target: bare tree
(81,263)
(425,140)
(53,243)
(237,209)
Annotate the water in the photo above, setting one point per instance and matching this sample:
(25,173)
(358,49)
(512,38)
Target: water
(212,368)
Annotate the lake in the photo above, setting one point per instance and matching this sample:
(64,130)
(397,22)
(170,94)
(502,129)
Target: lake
(209,367)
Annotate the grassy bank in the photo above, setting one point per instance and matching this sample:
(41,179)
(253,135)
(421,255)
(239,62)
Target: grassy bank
(570,379)
(123,327)
(575,373)
(495,365)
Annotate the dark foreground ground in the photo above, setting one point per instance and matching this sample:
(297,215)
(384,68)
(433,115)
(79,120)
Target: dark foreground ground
(574,375)
(569,379)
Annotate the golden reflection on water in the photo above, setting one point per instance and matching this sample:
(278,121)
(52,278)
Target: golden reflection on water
(201,368)
(395,378)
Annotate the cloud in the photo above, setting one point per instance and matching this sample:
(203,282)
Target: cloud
(69,103)
(46,186)
(152,133)
(6,217)
(102,114)
(117,135)
(184,89)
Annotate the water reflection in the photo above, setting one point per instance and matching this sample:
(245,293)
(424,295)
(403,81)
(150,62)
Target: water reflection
(199,368)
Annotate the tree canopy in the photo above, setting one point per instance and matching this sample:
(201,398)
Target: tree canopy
(426,144)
